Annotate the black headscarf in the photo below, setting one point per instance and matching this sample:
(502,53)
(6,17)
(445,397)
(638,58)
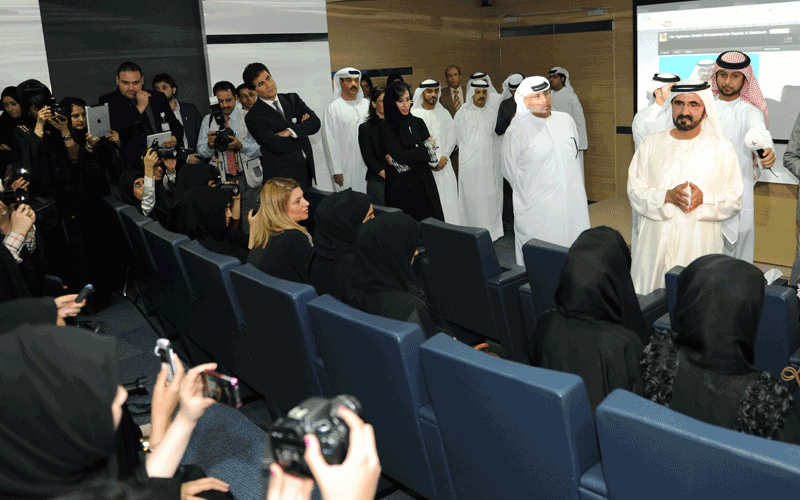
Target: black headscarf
(126,182)
(8,124)
(391,113)
(57,429)
(384,249)
(79,136)
(203,213)
(719,306)
(336,222)
(596,281)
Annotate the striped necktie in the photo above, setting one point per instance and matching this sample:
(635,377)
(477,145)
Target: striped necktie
(457,98)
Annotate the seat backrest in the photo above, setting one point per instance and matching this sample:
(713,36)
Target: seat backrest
(461,259)
(219,317)
(671,284)
(277,327)
(119,232)
(172,277)
(378,209)
(543,261)
(134,222)
(376,360)
(509,430)
(778,336)
(650,451)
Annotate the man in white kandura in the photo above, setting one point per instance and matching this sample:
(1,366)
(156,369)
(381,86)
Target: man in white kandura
(650,120)
(493,99)
(540,158)
(684,182)
(347,110)
(480,185)
(741,107)
(440,125)
(566,100)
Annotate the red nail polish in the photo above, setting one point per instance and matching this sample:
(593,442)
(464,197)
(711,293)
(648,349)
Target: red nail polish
(307,441)
(271,471)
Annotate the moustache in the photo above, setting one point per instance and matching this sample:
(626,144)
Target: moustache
(684,117)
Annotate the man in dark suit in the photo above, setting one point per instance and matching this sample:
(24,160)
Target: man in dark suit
(452,97)
(136,113)
(281,124)
(185,112)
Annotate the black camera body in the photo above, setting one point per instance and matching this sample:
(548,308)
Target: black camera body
(12,196)
(318,416)
(223,139)
(58,110)
(169,153)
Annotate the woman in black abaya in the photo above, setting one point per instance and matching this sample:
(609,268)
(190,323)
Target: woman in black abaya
(12,117)
(337,220)
(410,185)
(205,217)
(598,331)
(386,284)
(704,367)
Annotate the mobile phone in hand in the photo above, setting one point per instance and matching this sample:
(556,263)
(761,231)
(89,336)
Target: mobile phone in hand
(222,388)
(84,293)
(164,351)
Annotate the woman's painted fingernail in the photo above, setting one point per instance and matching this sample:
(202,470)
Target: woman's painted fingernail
(307,441)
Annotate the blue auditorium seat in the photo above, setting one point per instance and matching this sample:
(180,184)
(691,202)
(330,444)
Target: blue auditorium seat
(133,222)
(470,288)
(511,430)
(378,209)
(179,305)
(377,360)
(276,324)
(219,319)
(650,451)
(543,262)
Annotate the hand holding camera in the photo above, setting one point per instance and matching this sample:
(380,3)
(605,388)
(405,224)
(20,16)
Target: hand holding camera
(22,219)
(150,160)
(166,395)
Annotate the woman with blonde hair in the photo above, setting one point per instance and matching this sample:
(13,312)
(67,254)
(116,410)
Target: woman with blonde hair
(279,245)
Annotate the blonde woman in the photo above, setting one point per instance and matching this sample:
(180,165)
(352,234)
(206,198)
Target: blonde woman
(279,245)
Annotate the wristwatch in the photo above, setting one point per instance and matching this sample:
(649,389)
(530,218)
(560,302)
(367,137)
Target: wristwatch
(67,137)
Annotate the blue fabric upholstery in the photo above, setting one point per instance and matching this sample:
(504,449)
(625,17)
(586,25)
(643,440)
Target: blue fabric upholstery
(376,359)
(650,451)
(654,306)
(671,283)
(543,261)
(470,287)
(219,319)
(277,328)
(510,430)
(134,222)
(778,336)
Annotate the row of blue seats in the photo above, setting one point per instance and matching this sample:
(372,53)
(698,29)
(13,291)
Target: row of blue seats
(450,422)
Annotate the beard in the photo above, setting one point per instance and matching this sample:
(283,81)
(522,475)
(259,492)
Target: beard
(685,126)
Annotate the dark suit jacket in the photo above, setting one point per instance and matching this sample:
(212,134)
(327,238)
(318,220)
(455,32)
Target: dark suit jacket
(283,156)
(369,141)
(191,123)
(134,127)
(508,108)
(447,99)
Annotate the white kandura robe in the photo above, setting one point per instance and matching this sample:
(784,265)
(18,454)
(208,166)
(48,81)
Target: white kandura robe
(566,101)
(340,141)
(440,126)
(540,162)
(480,185)
(669,237)
(644,124)
(737,117)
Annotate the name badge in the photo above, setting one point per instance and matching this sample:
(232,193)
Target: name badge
(294,120)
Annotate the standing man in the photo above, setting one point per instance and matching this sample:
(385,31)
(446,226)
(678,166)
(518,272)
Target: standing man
(540,157)
(185,112)
(684,182)
(340,123)
(741,107)
(136,113)
(440,125)
(480,187)
(493,98)
(281,124)
(791,160)
(246,97)
(508,108)
(566,100)
(239,160)
(453,97)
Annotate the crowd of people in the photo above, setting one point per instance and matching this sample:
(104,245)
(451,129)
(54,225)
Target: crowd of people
(235,179)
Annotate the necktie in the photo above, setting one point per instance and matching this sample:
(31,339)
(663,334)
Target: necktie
(230,158)
(457,98)
(277,107)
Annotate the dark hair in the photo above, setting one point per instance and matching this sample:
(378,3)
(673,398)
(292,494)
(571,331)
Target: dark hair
(240,88)
(251,72)
(394,77)
(374,94)
(163,77)
(452,66)
(129,66)
(224,85)
(391,113)
(365,78)
(33,93)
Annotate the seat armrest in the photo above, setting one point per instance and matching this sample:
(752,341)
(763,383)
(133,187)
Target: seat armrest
(663,323)
(594,480)
(507,277)
(654,305)
(653,299)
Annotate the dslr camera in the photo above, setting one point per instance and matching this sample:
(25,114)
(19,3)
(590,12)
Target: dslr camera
(318,416)
(56,109)
(224,135)
(169,153)
(11,196)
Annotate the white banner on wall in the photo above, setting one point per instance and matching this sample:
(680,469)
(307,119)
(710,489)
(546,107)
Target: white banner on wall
(22,40)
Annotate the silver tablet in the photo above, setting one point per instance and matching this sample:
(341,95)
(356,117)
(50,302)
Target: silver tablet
(160,137)
(98,120)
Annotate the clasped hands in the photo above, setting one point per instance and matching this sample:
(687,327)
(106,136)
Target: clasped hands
(678,197)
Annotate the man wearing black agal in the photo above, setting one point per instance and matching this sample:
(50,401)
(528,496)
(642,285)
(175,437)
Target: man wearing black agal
(136,113)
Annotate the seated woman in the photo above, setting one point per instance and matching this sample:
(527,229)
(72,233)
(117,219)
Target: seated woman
(704,367)
(279,246)
(206,216)
(12,117)
(337,220)
(385,283)
(598,331)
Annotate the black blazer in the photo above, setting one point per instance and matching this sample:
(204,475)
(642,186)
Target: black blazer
(191,123)
(134,127)
(369,141)
(283,156)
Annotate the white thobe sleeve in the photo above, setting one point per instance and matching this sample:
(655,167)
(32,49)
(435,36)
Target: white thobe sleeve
(580,122)
(149,195)
(718,207)
(638,131)
(754,119)
(512,148)
(645,199)
(330,142)
(448,134)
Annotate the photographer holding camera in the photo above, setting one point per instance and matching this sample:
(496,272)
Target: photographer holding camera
(233,152)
